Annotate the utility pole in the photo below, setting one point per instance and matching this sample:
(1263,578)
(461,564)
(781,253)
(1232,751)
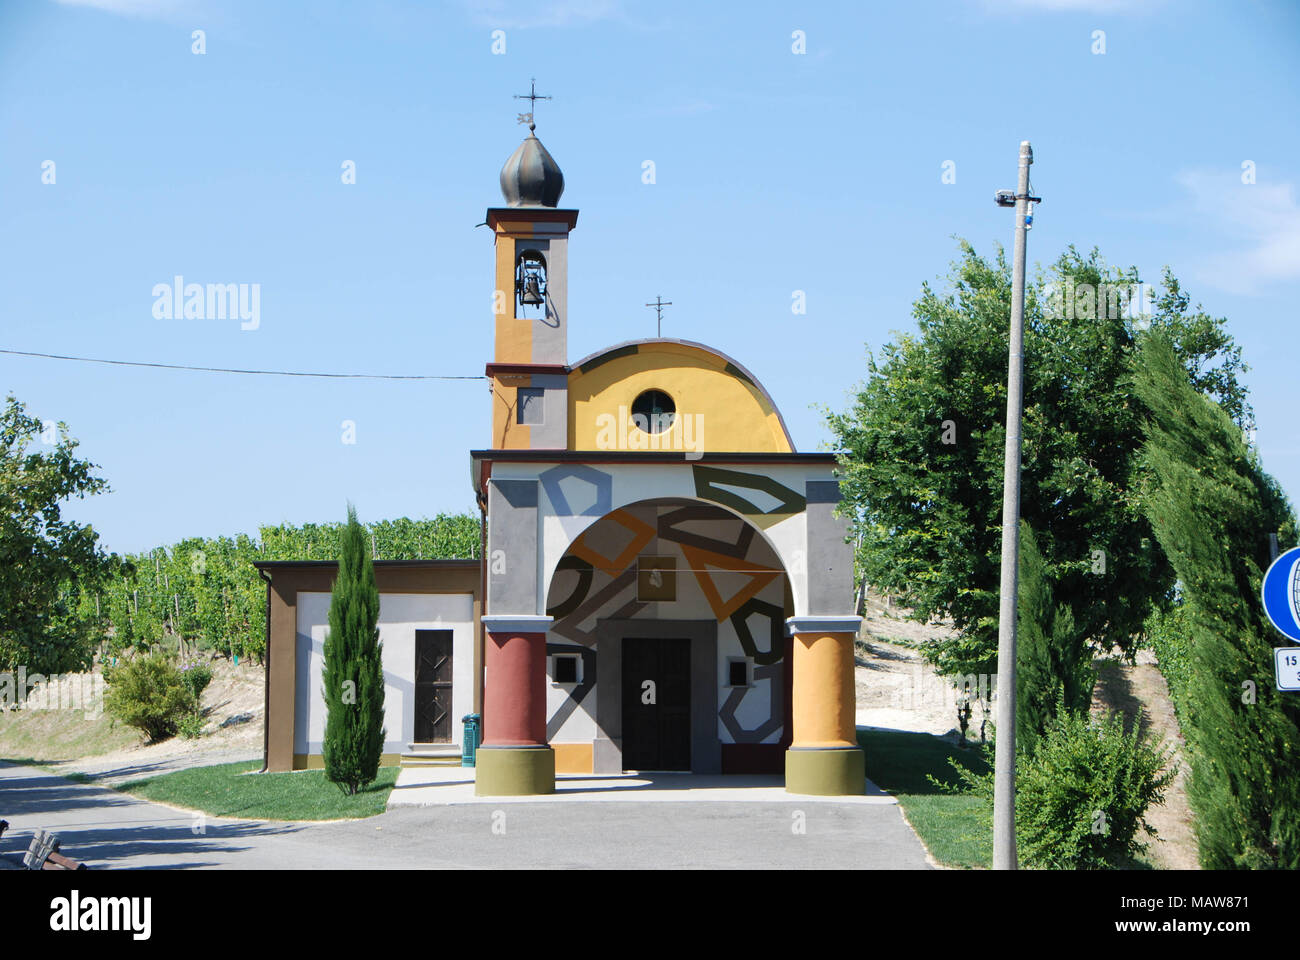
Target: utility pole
(1004,768)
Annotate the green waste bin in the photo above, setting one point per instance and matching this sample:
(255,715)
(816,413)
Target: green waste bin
(469,742)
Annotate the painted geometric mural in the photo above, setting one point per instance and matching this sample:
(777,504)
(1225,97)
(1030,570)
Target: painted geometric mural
(723,570)
(741,492)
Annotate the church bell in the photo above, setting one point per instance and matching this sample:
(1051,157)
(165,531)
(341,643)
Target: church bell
(530,280)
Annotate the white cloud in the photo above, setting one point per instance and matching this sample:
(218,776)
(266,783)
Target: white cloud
(545,13)
(1261,220)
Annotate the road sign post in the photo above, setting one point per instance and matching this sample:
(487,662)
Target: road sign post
(1280,593)
(1286,668)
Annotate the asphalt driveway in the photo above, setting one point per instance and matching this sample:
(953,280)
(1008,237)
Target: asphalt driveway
(107,829)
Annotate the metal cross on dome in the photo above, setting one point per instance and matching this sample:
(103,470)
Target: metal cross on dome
(659,305)
(532,96)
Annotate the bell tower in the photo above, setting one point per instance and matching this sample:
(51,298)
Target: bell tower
(528,372)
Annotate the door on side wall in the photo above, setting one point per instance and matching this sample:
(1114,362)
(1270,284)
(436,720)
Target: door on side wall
(656,703)
(433,686)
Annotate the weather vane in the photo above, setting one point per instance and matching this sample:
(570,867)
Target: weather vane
(532,97)
(659,305)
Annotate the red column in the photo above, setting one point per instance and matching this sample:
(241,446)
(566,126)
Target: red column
(514,690)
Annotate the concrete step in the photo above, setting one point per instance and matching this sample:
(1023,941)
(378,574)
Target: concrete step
(432,749)
(431,755)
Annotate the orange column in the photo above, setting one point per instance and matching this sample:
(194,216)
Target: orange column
(824,758)
(824,695)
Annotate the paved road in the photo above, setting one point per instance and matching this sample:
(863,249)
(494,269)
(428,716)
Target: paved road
(110,829)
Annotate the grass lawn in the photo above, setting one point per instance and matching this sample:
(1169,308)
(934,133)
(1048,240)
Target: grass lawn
(950,826)
(229,790)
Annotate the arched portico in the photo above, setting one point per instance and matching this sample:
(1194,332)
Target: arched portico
(679,605)
(662,634)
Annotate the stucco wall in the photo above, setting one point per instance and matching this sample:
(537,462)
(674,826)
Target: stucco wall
(728,410)
(400,615)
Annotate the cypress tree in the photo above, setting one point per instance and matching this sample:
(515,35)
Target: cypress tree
(1211,507)
(353,673)
(1053,661)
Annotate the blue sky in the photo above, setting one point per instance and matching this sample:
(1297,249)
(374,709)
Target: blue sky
(774,172)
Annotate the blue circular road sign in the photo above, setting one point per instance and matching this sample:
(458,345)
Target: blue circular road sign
(1281,593)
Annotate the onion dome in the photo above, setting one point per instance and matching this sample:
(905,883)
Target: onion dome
(531,177)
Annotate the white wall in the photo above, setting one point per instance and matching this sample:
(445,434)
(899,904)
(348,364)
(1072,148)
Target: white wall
(400,615)
(580,727)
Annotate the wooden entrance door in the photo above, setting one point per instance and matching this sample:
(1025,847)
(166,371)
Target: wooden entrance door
(433,686)
(656,734)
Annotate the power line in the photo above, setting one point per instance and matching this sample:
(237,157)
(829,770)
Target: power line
(262,373)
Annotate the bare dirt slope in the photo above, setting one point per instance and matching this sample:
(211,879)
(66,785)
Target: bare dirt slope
(93,745)
(1139,691)
(897,689)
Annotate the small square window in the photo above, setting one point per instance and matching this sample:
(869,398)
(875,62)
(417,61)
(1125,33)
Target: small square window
(564,668)
(738,673)
(531,406)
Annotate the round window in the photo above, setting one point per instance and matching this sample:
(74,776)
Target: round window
(654,411)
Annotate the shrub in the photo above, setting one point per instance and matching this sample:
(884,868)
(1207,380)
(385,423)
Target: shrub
(197,676)
(190,725)
(1082,793)
(148,693)
(1169,637)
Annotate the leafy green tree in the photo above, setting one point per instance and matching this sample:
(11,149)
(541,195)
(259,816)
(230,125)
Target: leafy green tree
(353,671)
(1212,506)
(923,448)
(1053,664)
(46,562)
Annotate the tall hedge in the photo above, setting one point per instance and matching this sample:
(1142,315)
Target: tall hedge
(1212,507)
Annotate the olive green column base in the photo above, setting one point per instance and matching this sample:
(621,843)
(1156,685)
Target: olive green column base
(514,771)
(826,771)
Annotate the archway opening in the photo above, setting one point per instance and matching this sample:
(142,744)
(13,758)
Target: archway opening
(668,650)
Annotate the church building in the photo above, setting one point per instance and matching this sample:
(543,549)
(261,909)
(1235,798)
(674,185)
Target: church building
(664,585)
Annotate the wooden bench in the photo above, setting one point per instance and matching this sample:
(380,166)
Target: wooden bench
(43,854)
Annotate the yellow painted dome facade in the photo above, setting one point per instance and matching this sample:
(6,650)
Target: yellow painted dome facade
(717,405)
